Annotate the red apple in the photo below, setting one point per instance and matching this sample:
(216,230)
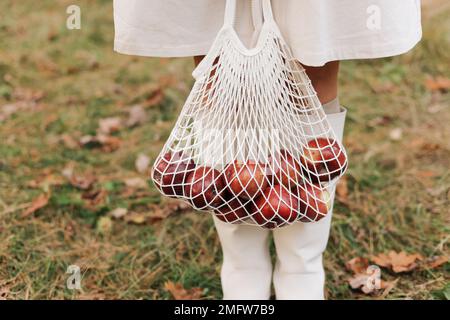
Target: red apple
(231,211)
(314,202)
(334,158)
(170,171)
(205,188)
(245,180)
(311,158)
(324,158)
(287,169)
(276,206)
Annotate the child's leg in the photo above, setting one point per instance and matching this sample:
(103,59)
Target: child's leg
(247,269)
(325,81)
(299,272)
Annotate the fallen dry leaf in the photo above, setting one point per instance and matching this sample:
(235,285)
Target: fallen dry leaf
(137,116)
(357,265)
(48,120)
(173,206)
(369,282)
(104,225)
(24,99)
(383,87)
(135,218)
(94,198)
(104,142)
(38,203)
(398,262)
(133,193)
(136,183)
(437,84)
(424,174)
(180,251)
(109,125)
(435,262)
(8,109)
(46,181)
(361,281)
(354,146)
(27,94)
(82,182)
(380,121)
(4,293)
(118,213)
(154,98)
(342,190)
(142,163)
(180,293)
(436,107)
(423,145)
(396,134)
(69,142)
(158,213)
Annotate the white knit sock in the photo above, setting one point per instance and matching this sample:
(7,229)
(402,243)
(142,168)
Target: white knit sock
(332,106)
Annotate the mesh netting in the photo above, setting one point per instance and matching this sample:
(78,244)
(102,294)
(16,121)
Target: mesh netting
(252,143)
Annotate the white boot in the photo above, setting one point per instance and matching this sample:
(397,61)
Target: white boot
(299,271)
(247,269)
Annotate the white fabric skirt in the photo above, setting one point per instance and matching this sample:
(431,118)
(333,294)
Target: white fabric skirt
(317,31)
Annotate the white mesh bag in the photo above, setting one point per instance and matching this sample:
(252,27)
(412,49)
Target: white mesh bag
(252,143)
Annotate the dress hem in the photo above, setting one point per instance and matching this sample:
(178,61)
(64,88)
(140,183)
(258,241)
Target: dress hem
(309,59)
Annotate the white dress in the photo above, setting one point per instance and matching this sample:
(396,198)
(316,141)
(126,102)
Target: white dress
(318,31)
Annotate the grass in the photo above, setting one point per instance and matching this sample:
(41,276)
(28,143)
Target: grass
(398,189)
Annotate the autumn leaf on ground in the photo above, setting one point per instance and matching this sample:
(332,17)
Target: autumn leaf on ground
(155,212)
(154,98)
(425,174)
(8,109)
(104,225)
(82,182)
(435,262)
(104,142)
(367,278)
(396,134)
(142,163)
(135,218)
(383,87)
(109,125)
(398,262)
(27,94)
(173,205)
(367,284)
(68,141)
(180,251)
(49,120)
(46,181)
(437,84)
(94,198)
(137,116)
(342,190)
(118,213)
(38,203)
(380,121)
(4,293)
(136,183)
(357,265)
(178,292)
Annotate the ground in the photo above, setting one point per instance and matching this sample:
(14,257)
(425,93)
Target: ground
(62,179)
